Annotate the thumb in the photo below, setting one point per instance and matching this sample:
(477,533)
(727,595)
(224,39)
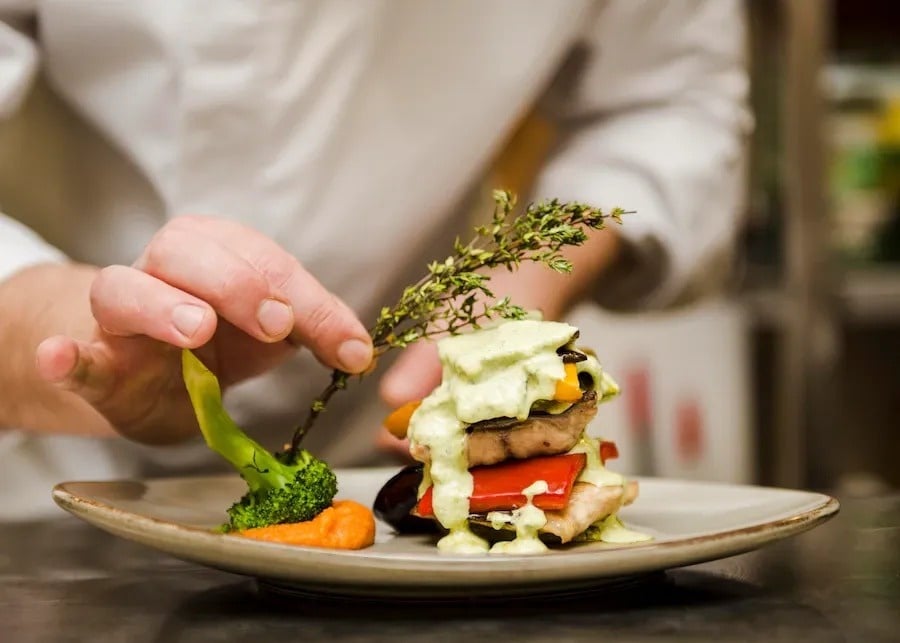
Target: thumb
(413,376)
(75,366)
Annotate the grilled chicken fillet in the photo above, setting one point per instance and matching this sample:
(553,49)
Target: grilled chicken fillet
(587,505)
(493,441)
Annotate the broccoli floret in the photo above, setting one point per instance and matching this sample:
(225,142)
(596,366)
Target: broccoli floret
(280,488)
(302,498)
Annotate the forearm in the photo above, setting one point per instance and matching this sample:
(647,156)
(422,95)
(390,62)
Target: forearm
(36,303)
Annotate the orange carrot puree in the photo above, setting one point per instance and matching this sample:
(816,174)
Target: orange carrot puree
(344,525)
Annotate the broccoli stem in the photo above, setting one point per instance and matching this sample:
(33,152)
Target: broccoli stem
(259,468)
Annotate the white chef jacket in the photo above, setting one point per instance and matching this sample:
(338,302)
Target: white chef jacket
(350,132)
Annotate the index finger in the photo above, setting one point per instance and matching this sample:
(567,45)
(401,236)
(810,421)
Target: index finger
(322,321)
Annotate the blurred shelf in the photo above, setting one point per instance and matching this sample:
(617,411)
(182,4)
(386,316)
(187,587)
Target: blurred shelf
(871,295)
(865,29)
(863,296)
(766,307)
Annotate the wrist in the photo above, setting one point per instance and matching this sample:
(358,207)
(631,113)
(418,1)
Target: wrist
(38,302)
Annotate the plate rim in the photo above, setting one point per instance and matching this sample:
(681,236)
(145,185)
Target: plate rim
(427,570)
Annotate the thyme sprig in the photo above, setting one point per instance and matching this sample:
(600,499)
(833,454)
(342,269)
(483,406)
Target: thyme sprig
(454,294)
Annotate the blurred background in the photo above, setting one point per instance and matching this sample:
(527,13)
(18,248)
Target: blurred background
(792,376)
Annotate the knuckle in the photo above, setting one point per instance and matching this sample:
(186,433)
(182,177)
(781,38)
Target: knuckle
(105,280)
(112,297)
(322,319)
(279,268)
(190,221)
(160,249)
(238,282)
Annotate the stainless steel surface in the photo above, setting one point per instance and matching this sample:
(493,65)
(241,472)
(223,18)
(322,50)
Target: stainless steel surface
(64,581)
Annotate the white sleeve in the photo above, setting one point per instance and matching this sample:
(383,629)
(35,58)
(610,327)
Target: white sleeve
(20,247)
(654,119)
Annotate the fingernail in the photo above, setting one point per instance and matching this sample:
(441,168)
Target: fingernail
(354,355)
(187,318)
(275,317)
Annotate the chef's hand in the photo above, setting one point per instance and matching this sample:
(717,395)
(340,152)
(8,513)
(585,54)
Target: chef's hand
(208,284)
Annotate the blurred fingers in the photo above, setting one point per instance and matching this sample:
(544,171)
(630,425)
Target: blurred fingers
(387,443)
(413,376)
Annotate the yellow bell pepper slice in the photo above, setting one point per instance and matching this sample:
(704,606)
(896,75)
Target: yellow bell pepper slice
(568,389)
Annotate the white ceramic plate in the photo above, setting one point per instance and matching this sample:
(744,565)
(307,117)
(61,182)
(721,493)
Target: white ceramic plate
(691,522)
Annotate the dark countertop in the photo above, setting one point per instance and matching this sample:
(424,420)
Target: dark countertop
(65,581)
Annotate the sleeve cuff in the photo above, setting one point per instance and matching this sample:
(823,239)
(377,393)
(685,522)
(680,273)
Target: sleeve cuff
(650,271)
(21,248)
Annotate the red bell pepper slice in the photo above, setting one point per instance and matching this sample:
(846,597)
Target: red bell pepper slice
(608,451)
(499,487)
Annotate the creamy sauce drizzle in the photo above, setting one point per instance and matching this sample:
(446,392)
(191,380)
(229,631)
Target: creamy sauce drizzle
(527,521)
(594,472)
(613,531)
(610,529)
